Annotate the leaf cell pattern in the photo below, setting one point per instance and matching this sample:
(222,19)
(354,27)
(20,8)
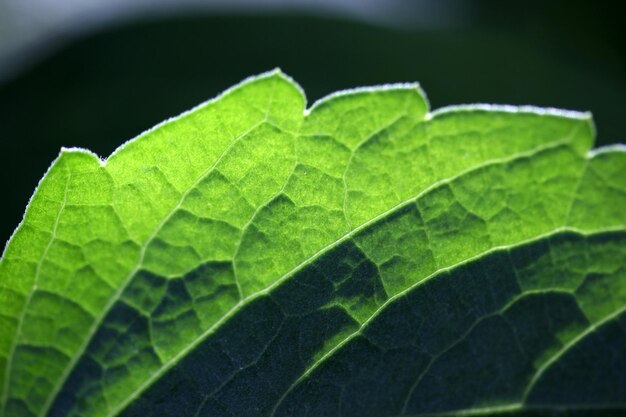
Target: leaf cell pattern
(361,257)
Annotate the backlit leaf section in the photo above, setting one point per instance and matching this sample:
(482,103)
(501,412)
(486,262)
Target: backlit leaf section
(361,257)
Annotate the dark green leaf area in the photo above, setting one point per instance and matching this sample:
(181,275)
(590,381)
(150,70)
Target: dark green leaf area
(489,336)
(590,373)
(530,411)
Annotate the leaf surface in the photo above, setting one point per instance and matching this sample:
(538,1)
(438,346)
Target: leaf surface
(361,257)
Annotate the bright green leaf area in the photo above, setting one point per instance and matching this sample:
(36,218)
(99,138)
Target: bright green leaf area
(363,257)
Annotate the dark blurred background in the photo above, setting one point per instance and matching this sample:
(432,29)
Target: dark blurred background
(94,74)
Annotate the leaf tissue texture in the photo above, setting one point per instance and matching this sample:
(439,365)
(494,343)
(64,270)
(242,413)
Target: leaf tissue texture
(363,257)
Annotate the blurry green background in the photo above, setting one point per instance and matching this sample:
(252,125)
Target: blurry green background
(107,82)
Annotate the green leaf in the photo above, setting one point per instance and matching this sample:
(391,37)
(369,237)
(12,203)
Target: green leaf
(364,257)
